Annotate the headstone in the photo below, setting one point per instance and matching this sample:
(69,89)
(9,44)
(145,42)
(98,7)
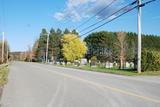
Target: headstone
(84,61)
(127,65)
(107,65)
(110,65)
(58,63)
(115,64)
(68,63)
(63,63)
(76,62)
(131,64)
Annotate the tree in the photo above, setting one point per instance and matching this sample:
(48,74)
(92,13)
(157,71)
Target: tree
(54,45)
(59,32)
(131,41)
(74,32)
(35,50)
(105,46)
(6,51)
(73,47)
(41,50)
(121,48)
(66,31)
(29,54)
(100,44)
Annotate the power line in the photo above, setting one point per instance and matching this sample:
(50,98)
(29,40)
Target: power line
(96,14)
(130,9)
(109,21)
(118,16)
(109,16)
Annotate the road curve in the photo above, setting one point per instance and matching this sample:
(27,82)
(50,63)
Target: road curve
(38,85)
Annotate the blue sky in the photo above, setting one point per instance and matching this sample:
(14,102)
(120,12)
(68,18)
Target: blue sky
(22,20)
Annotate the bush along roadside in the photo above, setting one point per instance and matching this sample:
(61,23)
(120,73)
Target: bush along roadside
(150,60)
(3,77)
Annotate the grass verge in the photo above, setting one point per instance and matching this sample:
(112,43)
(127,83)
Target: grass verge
(3,75)
(127,72)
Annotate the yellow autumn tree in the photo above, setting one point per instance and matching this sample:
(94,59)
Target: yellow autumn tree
(73,47)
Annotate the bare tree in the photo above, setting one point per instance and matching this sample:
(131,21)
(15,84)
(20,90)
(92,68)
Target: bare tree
(121,45)
(29,53)
(5,50)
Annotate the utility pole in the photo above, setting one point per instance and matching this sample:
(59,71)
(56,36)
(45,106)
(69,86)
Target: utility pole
(47,48)
(139,37)
(30,53)
(2,47)
(7,51)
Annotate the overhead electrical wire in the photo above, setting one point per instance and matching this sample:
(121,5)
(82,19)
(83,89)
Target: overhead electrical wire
(143,4)
(129,9)
(100,11)
(121,9)
(109,21)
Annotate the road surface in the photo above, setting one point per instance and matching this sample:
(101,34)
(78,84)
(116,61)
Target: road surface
(38,85)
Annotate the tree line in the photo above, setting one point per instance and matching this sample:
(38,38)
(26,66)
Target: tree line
(105,46)
(122,47)
(6,52)
(57,50)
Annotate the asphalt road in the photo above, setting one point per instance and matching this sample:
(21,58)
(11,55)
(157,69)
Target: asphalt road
(38,85)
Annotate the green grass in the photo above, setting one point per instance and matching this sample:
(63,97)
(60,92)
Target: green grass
(127,72)
(150,73)
(104,70)
(3,75)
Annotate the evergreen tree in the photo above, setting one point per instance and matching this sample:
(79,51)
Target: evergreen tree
(55,45)
(41,50)
(59,32)
(66,31)
(100,44)
(74,32)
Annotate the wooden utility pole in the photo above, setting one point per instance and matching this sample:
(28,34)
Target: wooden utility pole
(7,51)
(2,47)
(139,38)
(47,48)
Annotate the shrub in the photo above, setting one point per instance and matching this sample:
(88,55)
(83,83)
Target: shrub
(93,60)
(150,60)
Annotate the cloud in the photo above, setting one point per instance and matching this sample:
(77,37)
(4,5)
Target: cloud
(59,16)
(77,9)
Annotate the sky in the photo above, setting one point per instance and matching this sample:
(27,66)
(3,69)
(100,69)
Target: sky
(23,20)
